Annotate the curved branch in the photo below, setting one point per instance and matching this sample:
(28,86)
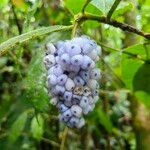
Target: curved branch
(114,23)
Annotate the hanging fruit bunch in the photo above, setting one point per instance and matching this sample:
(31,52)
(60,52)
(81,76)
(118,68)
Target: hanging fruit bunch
(73,77)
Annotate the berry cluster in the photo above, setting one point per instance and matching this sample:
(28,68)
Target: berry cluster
(72,78)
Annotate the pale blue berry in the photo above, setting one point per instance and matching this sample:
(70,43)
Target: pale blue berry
(77,60)
(62,107)
(87,48)
(50,48)
(67,113)
(93,55)
(84,102)
(73,49)
(68,103)
(87,61)
(74,121)
(59,44)
(74,68)
(76,110)
(63,118)
(69,85)
(54,100)
(81,123)
(84,75)
(68,96)
(65,59)
(57,70)
(61,80)
(92,84)
(95,74)
(78,81)
(49,61)
(52,79)
(60,90)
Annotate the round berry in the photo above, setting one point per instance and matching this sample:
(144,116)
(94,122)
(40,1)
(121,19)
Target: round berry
(77,60)
(69,85)
(68,96)
(78,81)
(81,123)
(52,79)
(61,80)
(57,70)
(84,102)
(95,74)
(54,101)
(74,121)
(60,90)
(62,107)
(84,75)
(65,59)
(76,110)
(87,61)
(50,48)
(73,49)
(67,113)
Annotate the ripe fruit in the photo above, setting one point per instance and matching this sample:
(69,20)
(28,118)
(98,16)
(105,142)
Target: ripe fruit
(73,78)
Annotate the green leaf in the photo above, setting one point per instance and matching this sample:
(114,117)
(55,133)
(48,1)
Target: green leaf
(30,35)
(74,6)
(130,66)
(3,3)
(17,127)
(93,10)
(35,82)
(103,5)
(141,84)
(78,5)
(122,8)
(37,127)
(136,74)
(104,120)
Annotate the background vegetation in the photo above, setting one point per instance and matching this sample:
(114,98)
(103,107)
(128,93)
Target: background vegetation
(121,119)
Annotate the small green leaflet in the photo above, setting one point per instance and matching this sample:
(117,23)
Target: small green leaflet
(136,73)
(103,5)
(17,127)
(37,127)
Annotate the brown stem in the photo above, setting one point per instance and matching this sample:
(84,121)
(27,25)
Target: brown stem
(64,139)
(16,20)
(114,23)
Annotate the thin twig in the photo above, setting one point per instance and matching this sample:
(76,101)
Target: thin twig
(113,8)
(50,142)
(114,23)
(64,138)
(16,19)
(125,52)
(85,5)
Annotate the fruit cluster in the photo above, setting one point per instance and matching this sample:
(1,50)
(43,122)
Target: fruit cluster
(73,78)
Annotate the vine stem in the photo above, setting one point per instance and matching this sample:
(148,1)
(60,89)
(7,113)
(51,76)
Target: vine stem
(123,26)
(64,138)
(75,26)
(113,8)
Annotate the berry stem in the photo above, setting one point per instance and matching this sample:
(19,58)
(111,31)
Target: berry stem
(74,30)
(64,138)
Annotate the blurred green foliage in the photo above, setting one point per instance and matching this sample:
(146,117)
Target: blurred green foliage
(27,121)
